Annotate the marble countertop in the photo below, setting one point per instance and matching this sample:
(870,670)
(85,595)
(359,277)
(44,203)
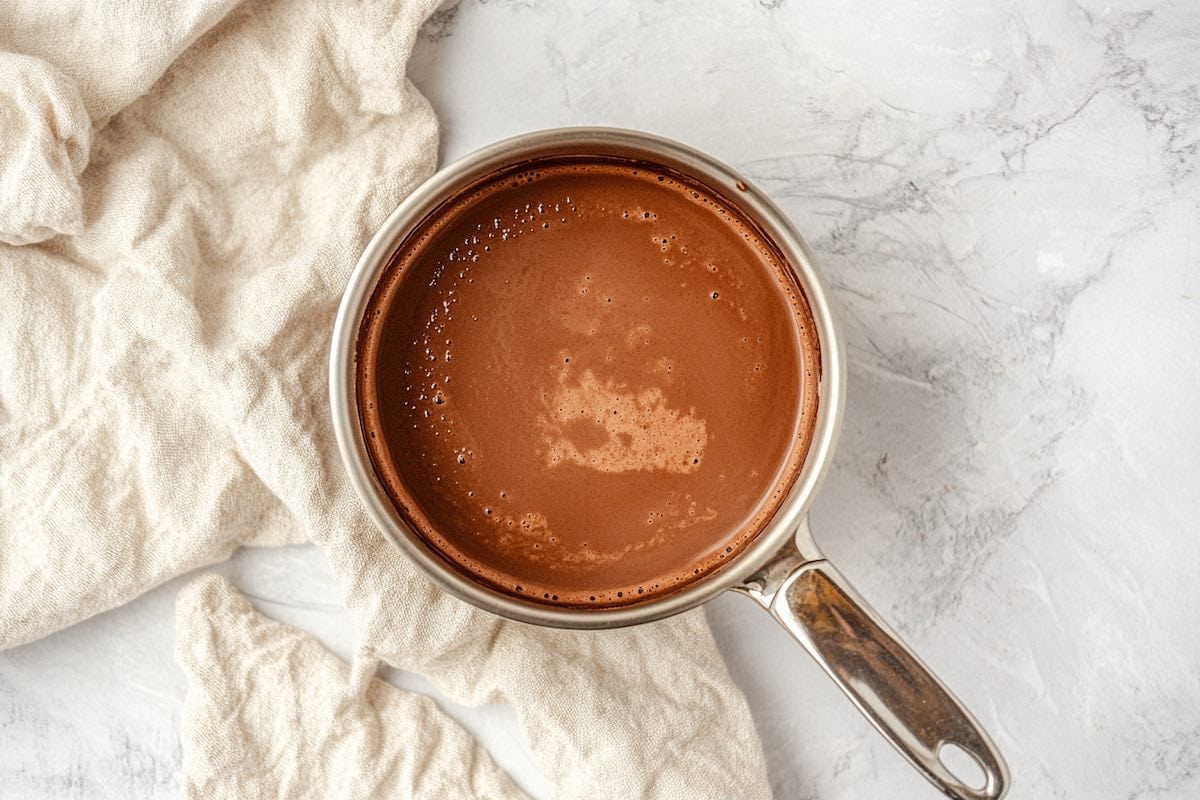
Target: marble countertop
(1005,199)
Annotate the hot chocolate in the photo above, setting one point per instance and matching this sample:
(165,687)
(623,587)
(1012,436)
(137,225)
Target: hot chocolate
(587,382)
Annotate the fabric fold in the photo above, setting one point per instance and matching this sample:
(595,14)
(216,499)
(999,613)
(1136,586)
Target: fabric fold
(73,65)
(270,713)
(113,50)
(45,138)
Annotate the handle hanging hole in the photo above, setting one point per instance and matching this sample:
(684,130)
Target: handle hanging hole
(963,765)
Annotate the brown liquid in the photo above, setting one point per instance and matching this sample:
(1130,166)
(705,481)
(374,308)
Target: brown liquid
(587,383)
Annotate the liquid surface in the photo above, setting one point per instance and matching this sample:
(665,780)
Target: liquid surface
(589,383)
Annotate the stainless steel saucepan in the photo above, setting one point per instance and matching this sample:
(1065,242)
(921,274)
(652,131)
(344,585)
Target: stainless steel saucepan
(782,570)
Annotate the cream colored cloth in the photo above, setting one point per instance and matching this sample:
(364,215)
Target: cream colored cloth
(270,713)
(74,64)
(202,180)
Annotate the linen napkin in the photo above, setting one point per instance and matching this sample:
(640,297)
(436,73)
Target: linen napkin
(201,179)
(254,684)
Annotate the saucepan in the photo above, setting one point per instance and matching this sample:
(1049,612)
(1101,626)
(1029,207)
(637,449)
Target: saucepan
(783,570)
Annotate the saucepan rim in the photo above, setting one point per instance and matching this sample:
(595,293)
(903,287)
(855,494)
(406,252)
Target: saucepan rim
(597,141)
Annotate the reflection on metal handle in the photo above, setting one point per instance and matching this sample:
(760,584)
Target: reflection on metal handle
(891,687)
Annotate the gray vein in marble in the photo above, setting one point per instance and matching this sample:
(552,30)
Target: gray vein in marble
(441,23)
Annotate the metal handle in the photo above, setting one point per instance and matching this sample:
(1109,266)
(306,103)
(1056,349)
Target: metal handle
(888,683)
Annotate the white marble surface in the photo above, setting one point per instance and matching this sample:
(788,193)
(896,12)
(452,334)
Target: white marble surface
(1005,197)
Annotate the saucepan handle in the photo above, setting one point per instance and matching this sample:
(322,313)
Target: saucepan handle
(888,683)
